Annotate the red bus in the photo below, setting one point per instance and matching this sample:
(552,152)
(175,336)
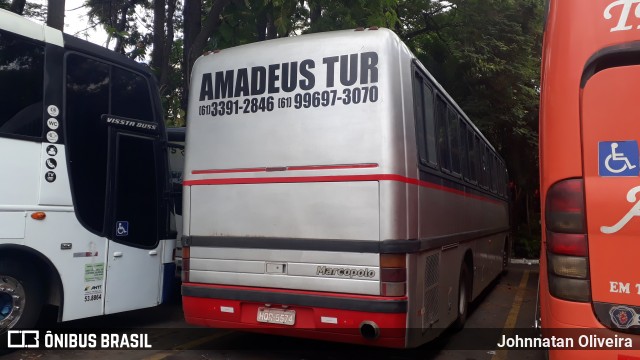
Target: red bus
(589,167)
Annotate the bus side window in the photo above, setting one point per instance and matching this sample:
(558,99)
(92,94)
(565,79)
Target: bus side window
(486,163)
(130,96)
(464,154)
(21,66)
(472,157)
(454,140)
(430,125)
(442,136)
(87,98)
(494,173)
(484,175)
(425,122)
(419,116)
(478,160)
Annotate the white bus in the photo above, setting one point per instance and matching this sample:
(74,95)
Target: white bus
(333,190)
(85,196)
(176,136)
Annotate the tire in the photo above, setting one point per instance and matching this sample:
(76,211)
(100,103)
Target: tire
(21,296)
(464,294)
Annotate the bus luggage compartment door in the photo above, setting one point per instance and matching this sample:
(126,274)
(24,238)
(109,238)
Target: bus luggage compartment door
(317,210)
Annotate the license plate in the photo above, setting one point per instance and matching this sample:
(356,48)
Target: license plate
(276,316)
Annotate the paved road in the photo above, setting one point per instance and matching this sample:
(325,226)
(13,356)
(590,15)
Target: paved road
(509,304)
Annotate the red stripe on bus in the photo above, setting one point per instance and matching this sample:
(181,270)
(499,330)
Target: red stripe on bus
(332,167)
(287,168)
(228,171)
(334,178)
(296,292)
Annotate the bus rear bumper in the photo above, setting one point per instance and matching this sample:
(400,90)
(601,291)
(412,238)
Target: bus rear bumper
(588,334)
(385,329)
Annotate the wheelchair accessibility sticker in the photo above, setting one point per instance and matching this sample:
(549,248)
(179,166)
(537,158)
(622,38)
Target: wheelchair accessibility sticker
(618,158)
(122,228)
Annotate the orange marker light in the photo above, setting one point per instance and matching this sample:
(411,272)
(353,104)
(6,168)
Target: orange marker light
(39,215)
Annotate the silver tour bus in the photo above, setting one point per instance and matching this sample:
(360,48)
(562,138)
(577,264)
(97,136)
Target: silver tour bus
(333,190)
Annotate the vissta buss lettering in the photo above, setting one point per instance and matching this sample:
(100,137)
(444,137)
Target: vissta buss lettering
(131,123)
(359,68)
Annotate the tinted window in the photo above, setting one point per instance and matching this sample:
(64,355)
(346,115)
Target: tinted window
(87,99)
(473,156)
(494,173)
(442,136)
(454,141)
(21,93)
(130,95)
(464,161)
(425,122)
(478,159)
(419,111)
(136,170)
(485,167)
(430,125)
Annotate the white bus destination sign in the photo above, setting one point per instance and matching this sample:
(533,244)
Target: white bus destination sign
(259,86)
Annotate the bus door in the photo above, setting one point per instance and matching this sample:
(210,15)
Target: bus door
(117,173)
(611,138)
(134,195)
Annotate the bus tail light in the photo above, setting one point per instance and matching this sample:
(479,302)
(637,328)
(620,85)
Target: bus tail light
(567,241)
(186,260)
(393,275)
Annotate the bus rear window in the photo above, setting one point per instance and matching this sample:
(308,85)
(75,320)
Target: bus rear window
(22,68)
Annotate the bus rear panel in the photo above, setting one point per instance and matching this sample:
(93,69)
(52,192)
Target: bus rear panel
(589,175)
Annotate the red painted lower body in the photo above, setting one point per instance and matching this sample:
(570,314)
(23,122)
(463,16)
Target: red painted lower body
(310,322)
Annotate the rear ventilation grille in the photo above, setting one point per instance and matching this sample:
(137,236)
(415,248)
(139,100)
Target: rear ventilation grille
(431,278)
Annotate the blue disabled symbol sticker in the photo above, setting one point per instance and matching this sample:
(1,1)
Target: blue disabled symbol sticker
(122,228)
(618,158)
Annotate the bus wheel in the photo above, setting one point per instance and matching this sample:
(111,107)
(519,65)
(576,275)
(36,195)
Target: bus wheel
(20,296)
(463,298)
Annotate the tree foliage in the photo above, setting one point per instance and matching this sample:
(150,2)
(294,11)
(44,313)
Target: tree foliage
(486,53)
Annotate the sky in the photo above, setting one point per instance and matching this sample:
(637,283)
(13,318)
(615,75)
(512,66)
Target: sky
(76,22)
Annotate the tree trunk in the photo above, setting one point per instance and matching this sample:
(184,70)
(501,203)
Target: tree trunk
(55,14)
(192,20)
(261,25)
(315,13)
(159,43)
(17,6)
(168,43)
(194,49)
(121,25)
